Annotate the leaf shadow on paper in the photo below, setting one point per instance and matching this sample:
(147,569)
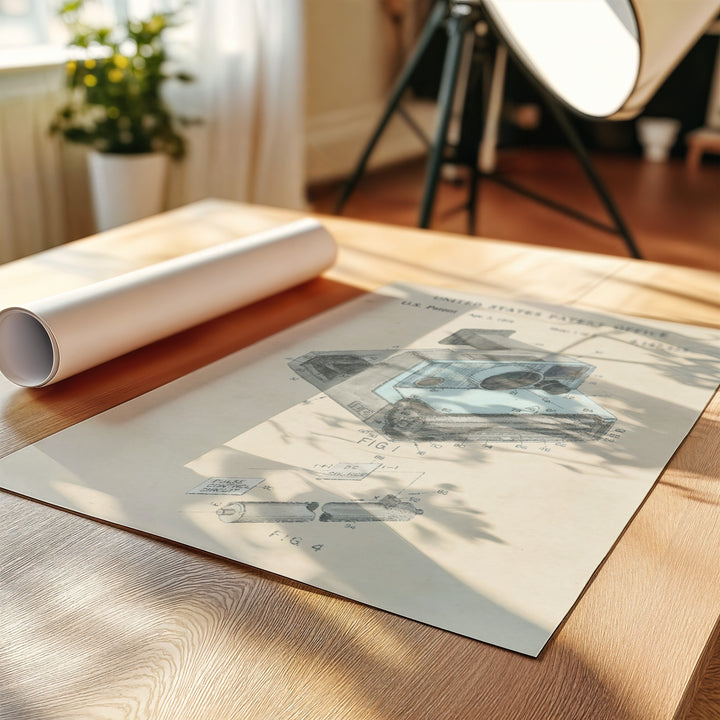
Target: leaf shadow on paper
(640,411)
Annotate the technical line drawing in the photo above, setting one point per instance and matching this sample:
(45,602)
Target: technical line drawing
(483,386)
(226,486)
(324,370)
(267,512)
(347,471)
(388,509)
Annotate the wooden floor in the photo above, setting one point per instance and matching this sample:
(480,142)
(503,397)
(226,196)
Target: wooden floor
(673,214)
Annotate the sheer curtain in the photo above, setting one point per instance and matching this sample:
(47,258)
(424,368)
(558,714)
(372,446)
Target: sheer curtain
(248,60)
(32,206)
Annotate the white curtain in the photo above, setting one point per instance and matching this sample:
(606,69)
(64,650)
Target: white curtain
(32,206)
(249,144)
(248,60)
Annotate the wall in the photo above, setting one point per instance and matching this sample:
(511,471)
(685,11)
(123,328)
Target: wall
(353,52)
(43,182)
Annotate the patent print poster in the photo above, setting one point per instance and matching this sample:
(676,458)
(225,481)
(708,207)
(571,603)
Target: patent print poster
(463,461)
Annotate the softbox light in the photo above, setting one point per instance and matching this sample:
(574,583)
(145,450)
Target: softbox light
(602,58)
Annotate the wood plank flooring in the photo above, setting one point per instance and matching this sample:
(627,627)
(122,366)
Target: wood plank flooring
(673,213)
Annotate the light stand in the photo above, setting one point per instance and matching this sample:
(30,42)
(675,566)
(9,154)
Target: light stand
(460,18)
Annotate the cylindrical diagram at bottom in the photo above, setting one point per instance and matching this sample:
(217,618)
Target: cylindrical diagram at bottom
(389,509)
(269,512)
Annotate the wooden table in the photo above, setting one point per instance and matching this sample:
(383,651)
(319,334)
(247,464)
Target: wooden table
(98,622)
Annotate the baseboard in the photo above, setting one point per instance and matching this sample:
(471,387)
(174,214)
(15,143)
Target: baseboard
(335,140)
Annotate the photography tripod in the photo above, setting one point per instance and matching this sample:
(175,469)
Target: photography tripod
(460,17)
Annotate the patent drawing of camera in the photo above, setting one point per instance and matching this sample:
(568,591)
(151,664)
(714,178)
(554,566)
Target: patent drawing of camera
(485,386)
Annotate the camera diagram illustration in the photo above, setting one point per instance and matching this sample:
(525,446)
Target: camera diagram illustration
(477,385)
(483,386)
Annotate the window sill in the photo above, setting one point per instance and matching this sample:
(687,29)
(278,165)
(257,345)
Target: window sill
(38,57)
(32,58)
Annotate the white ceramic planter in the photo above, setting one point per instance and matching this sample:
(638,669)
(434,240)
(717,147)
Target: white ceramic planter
(126,187)
(657,135)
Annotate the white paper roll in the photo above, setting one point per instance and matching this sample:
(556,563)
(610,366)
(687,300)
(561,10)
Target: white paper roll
(50,339)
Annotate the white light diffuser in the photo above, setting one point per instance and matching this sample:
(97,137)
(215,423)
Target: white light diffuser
(603,58)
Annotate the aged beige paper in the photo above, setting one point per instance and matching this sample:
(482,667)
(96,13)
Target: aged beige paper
(463,461)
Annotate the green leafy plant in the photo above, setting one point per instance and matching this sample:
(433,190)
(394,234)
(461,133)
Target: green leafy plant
(114,88)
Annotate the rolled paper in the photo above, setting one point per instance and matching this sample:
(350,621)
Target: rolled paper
(53,338)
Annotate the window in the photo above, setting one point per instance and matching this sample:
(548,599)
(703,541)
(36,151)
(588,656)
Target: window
(23,23)
(32,34)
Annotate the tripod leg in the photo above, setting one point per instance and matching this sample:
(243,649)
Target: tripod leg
(434,21)
(493,110)
(462,87)
(456,27)
(473,192)
(577,145)
(483,128)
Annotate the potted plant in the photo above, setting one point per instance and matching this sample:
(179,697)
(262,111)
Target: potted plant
(115,106)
